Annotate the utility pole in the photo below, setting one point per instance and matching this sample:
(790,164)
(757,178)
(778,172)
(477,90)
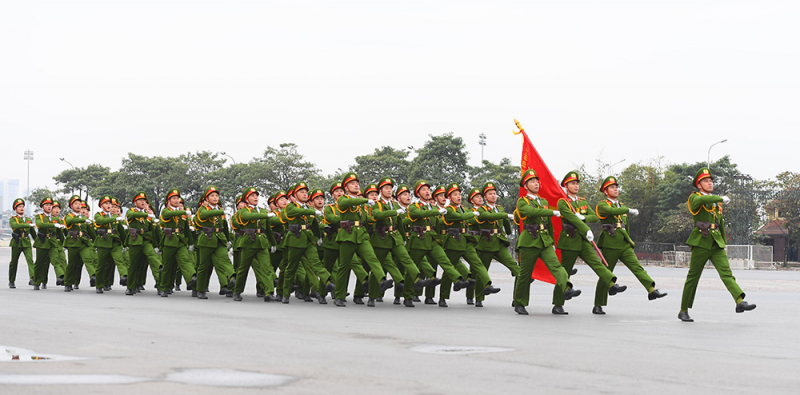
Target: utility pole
(708,159)
(482,142)
(29,158)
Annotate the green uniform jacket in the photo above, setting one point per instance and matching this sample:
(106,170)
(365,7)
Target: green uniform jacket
(351,210)
(492,220)
(331,227)
(617,216)
(568,208)
(106,222)
(178,221)
(278,226)
(457,219)
(385,214)
(530,212)
(706,208)
(420,214)
(21,226)
(140,220)
(76,223)
(297,214)
(45,227)
(215,220)
(253,218)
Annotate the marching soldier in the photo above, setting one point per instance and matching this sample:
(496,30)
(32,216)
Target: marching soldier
(77,242)
(213,242)
(45,243)
(493,225)
(330,224)
(240,204)
(108,244)
(617,245)
(576,241)
(59,260)
(535,242)
(175,225)
(21,231)
(301,243)
(91,234)
(255,244)
(279,258)
(387,239)
(119,258)
(141,230)
(708,243)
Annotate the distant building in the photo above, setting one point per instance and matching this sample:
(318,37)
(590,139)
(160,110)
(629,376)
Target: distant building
(776,234)
(9,190)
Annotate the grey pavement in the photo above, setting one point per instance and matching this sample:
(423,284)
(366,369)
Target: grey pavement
(112,343)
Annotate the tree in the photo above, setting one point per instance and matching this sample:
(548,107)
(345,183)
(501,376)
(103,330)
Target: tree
(639,190)
(38,194)
(440,161)
(153,175)
(81,180)
(384,162)
(787,205)
(279,168)
(504,175)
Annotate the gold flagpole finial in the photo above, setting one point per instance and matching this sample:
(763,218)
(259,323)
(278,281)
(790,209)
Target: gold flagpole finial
(518,127)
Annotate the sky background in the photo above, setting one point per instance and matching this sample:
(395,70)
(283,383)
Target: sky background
(90,81)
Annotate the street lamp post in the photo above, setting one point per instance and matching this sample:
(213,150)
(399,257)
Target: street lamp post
(234,160)
(482,142)
(708,159)
(29,158)
(611,167)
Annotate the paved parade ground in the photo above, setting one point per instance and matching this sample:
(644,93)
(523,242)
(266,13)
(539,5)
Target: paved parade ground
(112,343)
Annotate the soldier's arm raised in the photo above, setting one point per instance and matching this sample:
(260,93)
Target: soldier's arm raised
(604,210)
(526,210)
(696,200)
(417,213)
(331,216)
(346,202)
(19,225)
(206,213)
(569,216)
(453,215)
(292,210)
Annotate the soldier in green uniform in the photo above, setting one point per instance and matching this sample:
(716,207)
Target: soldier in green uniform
(141,231)
(353,238)
(240,204)
(387,239)
(108,243)
(279,257)
(77,242)
(59,260)
(214,240)
(423,241)
(330,229)
(302,243)
(45,243)
(119,258)
(576,241)
(708,243)
(91,264)
(255,245)
(536,242)
(617,245)
(493,225)
(458,244)
(177,241)
(21,230)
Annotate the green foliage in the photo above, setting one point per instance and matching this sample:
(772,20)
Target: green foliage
(36,196)
(384,162)
(504,174)
(441,160)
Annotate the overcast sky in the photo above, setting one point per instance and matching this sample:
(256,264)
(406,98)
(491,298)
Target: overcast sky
(90,81)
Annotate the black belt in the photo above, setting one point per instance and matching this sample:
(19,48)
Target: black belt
(455,232)
(210,231)
(535,229)
(348,225)
(421,230)
(383,229)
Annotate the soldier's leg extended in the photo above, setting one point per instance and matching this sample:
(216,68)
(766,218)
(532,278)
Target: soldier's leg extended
(262,268)
(137,266)
(346,252)
(247,257)
(315,269)
(528,256)
(223,267)
(153,260)
(186,267)
(119,261)
(629,259)
(105,264)
(204,267)
(477,271)
(41,266)
(168,269)
(601,290)
(59,261)
(74,266)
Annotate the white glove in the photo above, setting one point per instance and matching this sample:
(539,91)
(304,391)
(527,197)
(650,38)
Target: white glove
(125,227)
(191,248)
(229,245)
(400,211)
(319,242)
(124,249)
(726,200)
(580,216)
(370,202)
(476,214)
(155,221)
(321,214)
(271,215)
(589,236)
(273,249)
(155,250)
(556,213)
(59,226)
(633,211)
(153,216)
(120,219)
(510,217)
(443,211)
(189,213)
(88,221)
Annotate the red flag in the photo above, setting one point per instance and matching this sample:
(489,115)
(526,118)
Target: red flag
(549,189)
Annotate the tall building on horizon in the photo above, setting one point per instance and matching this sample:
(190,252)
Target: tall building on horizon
(9,190)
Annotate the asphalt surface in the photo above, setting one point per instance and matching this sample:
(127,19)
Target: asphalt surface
(144,343)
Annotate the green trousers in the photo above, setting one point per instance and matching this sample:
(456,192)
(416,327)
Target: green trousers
(346,252)
(41,266)
(142,256)
(104,276)
(629,259)
(12,267)
(173,259)
(58,258)
(474,261)
(91,263)
(436,257)
(587,253)
(258,258)
(215,258)
(528,257)
(77,256)
(408,275)
(719,259)
(311,264)
(502,256)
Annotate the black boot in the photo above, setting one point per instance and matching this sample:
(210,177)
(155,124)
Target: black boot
(478,303)
(490,290)
(559,310)
(67,288)
(442,303)
(237,297)
(285,300)
(617,289)
(370,302)
(656,294)
(429,301)
(260,292)
(386,284)
(271,298)
(92,281)
(59,281)
(396,301)
(329,289)
(201,295)
(598,310)
(178,288)
(744,306)
(460,284)
(416,299)
(99,290)
(75,286)
(470,301)
(471,284)
(314,294)
(36,288)
(194,293)
(379,299)
(339,303)
(192,283)
(321,300)
(223,291)
(358,300)
(123,281)
(573,272)
(12,285)
(684,316)
(520,309)
(307,298)
(419,285)
(365,286)
(571,293)
(408,303)
(129,292)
